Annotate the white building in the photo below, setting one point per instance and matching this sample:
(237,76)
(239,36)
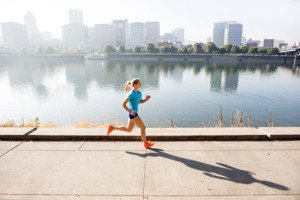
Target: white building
(179,34)
(105,34)
(14,35)
(233,34)
(75,16)
(152,32)
(34,35)
(75,35)
(137,34)
(219,32)
(122,32)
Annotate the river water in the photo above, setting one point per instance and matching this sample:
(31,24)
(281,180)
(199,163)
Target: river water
(189,94)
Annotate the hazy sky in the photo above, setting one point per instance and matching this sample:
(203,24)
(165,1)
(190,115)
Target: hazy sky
(276,19)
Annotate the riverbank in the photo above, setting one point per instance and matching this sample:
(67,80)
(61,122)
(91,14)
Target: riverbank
(205,58)
(280,59)
(50,57)
(154,134)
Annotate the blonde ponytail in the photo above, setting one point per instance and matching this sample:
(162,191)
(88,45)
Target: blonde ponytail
(127,87)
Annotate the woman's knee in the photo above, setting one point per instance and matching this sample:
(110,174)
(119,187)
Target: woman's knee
(143,128)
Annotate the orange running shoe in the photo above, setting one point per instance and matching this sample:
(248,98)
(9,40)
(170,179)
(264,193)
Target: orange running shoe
(109,130)
(149,144)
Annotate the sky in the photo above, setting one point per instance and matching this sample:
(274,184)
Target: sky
(261,19)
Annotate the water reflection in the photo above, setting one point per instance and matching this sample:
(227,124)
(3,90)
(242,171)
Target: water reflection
(113,75)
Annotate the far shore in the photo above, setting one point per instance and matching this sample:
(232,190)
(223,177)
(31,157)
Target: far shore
(280,59)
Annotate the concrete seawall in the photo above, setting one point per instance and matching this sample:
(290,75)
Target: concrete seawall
(205,58)
(155,134)
(54,57)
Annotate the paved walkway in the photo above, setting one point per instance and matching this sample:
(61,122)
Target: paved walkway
(171,170)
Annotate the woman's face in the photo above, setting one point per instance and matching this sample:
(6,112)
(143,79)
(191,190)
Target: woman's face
(138,85)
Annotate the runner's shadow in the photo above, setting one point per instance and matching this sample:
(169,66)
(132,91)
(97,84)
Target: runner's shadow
(223,171)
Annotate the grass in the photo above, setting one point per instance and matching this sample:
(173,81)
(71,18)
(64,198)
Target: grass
(237,120)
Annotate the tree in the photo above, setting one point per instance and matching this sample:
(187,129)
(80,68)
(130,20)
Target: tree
(183,50)
(244,49)
(197,48)
(129,50)
(150,48)
(172,49)
(222,50)
(109,49)
(211,47)
(49,50)
(235,49)
(262,51)
(122,49)
(228,48)
(164,49)
(190,50)
(137,49)
(253,50)
(273,51)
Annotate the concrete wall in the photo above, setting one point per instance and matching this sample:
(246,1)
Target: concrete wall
(220,58)
(43,58)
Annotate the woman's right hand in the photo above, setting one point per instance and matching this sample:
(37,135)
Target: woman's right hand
(132,113)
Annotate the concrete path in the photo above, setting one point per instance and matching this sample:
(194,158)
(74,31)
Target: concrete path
(171,170)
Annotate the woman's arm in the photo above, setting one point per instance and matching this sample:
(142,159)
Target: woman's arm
(145,100)
(126,108)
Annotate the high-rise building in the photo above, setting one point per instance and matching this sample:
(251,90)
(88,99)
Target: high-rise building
(152,32)
(122,32)
(179,34)
(137,34)
(14,35)
(75,35)
(233,34)
(105,34)
(267,43)
(75,16)
(34,35)
(219,32)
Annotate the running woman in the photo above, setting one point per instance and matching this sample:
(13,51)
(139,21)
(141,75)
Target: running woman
(134,97)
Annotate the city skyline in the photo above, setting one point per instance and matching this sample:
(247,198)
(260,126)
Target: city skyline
(268,21)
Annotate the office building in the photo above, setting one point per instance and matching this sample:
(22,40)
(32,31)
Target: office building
(179,34)
(122,32)
(233,34)
(14,35)
(105,34)
(266,43)
(152,32)
(34,35)
(75,35)
(75,16)
(219,32)
(137,34)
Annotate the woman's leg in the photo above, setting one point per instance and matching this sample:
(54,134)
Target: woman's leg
(124,128)
(138,121)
